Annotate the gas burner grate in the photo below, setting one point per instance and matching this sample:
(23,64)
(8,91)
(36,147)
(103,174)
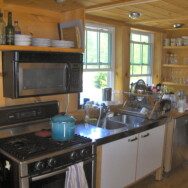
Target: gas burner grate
(27,146)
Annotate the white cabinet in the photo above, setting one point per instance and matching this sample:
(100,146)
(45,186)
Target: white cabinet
(119,162)
(150,150)
(129,159)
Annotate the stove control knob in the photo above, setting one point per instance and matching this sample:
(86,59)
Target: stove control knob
(51,162)
(73,156)
(84,153)
(39,165)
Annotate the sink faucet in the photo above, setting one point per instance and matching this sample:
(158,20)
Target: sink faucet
(104,113)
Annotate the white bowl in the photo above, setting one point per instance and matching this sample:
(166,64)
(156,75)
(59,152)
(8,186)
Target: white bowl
(20,36)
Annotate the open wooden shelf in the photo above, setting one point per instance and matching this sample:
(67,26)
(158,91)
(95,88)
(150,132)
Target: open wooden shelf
(174,84)
(175,47)
(37,48)
(175,66)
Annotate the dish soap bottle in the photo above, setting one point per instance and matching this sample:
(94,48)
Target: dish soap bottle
(9,31)
(2,29)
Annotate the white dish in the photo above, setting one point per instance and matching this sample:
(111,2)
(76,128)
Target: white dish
(23,40)
(22,43)
(62,46)
(41,39)
(41,45)
(20,36)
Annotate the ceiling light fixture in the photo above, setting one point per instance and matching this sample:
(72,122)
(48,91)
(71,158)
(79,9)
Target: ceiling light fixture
(134,15)
(178,25)
(60,1)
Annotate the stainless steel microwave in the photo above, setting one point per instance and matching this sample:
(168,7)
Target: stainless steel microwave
(31,73)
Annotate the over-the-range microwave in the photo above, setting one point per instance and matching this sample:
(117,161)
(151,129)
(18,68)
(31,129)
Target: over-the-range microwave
(33,73)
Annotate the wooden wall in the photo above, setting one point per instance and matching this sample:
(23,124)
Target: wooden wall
(43,24)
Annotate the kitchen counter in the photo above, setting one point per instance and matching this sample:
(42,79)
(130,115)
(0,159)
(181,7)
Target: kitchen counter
(176,114)
(103,136)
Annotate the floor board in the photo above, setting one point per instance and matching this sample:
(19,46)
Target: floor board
(176,179)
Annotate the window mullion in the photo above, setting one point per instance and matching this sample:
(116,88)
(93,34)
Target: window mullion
(86,49)
(98,49)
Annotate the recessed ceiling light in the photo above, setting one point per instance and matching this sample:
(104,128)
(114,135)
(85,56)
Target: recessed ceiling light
(60,1)
(135,15)
(178,25)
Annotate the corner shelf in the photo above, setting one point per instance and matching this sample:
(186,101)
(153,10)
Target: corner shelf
(175,47)
(174,66)
(174,84)
(38,48)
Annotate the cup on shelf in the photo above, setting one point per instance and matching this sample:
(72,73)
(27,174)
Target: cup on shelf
(166,42)
(179,41)
(185,40)
(172,42)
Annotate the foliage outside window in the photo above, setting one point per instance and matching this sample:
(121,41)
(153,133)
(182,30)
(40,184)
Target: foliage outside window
(141,56)
(98,61)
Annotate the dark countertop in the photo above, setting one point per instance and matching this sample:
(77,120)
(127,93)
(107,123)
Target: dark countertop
(103,136)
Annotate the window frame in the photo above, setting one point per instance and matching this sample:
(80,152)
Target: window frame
(150,59)
(111,29)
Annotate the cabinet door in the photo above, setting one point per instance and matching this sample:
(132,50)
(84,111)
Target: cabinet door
(118,166)
(150,150)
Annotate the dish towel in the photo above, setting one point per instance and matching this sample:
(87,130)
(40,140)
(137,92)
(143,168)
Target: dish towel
(75,177)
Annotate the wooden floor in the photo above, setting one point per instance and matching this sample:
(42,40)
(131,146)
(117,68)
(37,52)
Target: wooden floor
(176,179)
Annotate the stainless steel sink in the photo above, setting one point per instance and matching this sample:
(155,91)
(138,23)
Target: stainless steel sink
(128,120)
(120,122)
(113,124)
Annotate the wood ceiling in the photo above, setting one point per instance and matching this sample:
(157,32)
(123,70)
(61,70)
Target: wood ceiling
(160,14)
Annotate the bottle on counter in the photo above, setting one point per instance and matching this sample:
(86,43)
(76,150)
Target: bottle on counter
(9,31)
(2,29)
(17,29)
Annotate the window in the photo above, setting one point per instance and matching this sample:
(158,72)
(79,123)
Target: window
(98,61)
(141,56)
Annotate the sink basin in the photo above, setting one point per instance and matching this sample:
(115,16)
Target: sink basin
(114,125)
(128,120)
(122,122)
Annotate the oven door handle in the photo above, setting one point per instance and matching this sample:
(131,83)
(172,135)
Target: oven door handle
(37,178)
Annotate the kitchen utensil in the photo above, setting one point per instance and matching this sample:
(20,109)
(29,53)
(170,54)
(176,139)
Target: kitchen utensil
(63,127)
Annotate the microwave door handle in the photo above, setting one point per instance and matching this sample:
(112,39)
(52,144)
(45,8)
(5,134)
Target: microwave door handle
(68,77)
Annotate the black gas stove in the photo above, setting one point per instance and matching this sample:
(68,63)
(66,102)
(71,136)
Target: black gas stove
(30,158)
(32,145)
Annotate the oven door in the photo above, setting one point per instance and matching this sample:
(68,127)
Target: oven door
(42,78)
(56,179)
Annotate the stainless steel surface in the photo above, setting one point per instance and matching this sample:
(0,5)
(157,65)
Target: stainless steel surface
(32,66)
(23,169)
(114,124)
(24,182)
(55,172)
(180,142)
(22,128)
(129,121)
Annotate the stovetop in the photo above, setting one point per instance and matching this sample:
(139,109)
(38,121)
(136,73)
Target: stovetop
(32,145)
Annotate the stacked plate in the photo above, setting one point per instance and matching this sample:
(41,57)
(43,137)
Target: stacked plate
(62,43)
(22,40)
(41,42)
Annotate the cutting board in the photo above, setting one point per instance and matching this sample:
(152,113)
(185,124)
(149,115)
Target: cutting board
(72,34)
